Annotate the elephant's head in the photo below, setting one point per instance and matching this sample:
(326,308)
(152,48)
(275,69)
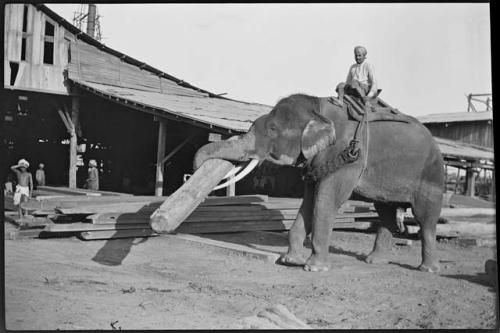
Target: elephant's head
(294,128)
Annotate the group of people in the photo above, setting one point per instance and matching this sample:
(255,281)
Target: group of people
(25,185)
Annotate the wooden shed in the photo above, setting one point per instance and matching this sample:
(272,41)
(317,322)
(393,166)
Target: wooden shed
(68,98)
(470,127)
(466,142)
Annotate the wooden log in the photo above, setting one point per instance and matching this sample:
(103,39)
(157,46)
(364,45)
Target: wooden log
(115,234)
(182,203)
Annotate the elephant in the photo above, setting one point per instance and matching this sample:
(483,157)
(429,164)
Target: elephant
(399,165)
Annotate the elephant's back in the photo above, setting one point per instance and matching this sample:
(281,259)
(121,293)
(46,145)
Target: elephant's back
(401,156)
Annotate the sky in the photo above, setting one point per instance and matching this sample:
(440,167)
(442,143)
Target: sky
(427,57)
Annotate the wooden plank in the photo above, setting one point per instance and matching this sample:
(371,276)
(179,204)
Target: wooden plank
(116,234)
(23,234)
(460,229)
(75,227)
(232,248)
(80,191)
(218,227)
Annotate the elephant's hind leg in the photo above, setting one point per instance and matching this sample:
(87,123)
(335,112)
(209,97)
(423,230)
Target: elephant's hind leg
(426,211)
(300,229)
(383,242)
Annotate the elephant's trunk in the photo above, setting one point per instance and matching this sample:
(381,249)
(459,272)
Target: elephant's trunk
(231,150)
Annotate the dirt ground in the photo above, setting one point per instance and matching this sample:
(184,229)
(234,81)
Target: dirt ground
(169,283)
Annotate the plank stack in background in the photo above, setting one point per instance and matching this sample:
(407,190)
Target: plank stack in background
(105,217)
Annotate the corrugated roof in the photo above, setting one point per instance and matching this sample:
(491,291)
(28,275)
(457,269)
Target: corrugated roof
(456,117)
(451,148)
(211,112)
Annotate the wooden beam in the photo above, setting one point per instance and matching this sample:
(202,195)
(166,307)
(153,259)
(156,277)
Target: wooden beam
(162,140)
(176,149)
(230,247)
(65,120)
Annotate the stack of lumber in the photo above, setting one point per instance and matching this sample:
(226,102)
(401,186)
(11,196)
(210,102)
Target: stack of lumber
(106,217)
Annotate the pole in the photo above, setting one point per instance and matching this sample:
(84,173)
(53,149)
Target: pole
(91,20)
(75,110)
(162,140)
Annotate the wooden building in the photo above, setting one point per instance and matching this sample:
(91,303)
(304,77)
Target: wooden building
(470,127)
(466,142)
(68,98)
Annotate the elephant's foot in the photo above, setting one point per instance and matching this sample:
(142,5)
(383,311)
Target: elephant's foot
(313,264)
(377,257)
(429,268)
(292,259)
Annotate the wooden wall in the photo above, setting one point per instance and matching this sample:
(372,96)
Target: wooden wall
(473,132)
(33,73)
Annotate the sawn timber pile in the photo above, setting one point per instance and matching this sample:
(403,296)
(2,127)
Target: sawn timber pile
(108,217)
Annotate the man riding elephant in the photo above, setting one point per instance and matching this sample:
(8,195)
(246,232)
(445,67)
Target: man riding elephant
(361,80)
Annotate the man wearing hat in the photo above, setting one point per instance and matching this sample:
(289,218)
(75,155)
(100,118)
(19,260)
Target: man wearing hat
(24,186)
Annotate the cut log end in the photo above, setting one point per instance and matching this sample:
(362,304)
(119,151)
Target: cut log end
(160,223)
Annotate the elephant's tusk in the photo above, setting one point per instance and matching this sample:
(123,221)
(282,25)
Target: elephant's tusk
(233,171)
(239,176)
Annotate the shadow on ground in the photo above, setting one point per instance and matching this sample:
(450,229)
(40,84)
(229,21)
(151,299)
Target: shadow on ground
(482,279)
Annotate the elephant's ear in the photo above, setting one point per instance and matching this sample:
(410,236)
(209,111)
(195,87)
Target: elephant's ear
(318,134)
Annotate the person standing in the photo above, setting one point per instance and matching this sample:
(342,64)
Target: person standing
(93,176)
(40,175)
(24,187)
(361,80)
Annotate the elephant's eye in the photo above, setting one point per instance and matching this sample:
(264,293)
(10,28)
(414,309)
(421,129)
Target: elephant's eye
(273,131)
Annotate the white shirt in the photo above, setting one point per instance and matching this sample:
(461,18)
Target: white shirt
(363,73)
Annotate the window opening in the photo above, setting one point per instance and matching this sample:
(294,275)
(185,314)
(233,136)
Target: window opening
(14,68)
(48,45)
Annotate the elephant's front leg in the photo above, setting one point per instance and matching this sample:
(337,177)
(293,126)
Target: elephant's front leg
(324,211)
(300,229)
(329,195)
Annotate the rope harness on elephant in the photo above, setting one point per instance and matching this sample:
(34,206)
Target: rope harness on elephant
(349,155)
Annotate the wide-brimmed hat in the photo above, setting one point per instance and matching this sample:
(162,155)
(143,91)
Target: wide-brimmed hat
(92,163)
(23,163)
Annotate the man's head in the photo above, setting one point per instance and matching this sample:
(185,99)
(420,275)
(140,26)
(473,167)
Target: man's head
(41,166)
(360,54)
(92,163)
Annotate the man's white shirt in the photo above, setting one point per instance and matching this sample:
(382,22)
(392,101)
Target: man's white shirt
(363,73)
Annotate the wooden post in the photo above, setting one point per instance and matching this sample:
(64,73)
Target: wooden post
(470,184)
(231,190)
(457,182)
(493,186)
(75,110)
(162,140)
(445,178)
